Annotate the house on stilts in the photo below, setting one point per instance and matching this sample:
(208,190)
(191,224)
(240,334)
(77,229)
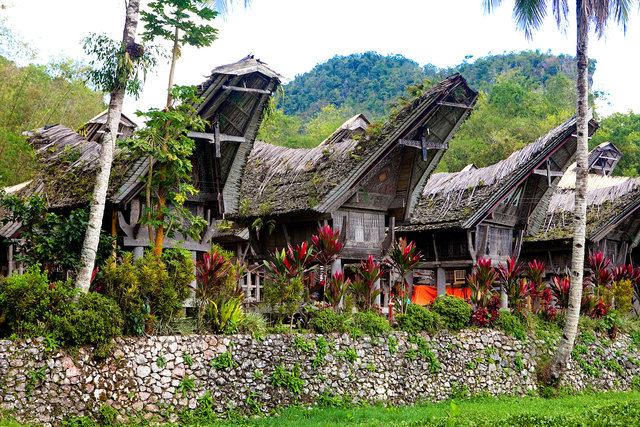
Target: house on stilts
(613,216)
(485,212)
(234,98)
(361,180)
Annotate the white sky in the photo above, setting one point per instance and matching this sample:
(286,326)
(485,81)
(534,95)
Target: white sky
(293,35)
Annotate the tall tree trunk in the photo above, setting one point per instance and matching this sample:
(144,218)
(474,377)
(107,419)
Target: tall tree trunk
(565,345)
(92,236)
(158,240)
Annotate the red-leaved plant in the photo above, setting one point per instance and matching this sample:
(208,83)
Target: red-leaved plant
(402,257)
(363,287)
(289,263)
(560,288)
(327,246)
(481,282)
(509,280)
(336,287)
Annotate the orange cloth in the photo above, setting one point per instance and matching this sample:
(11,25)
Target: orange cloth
(423,295)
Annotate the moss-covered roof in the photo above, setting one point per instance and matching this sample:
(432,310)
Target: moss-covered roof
(462,199)
(68,164)
(610,200)
(280,180)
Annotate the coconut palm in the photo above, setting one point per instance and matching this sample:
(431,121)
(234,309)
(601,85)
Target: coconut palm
(529,16)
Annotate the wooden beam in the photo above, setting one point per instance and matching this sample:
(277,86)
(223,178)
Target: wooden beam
(428,144)
(472,250)
(211,137)
(462,263)
(216,137)
(545,173)
(455,105)
(246,89)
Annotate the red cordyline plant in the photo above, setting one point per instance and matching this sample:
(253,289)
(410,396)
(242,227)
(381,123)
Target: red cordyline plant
(327,246)
(600,277)
(481,282)
(509,280)
(289,263)
(363,287)
(403,258)
(535,275)
(211,273)
(560,288)
(336,288)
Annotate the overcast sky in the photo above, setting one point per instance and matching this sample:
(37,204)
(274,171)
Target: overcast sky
(293,35)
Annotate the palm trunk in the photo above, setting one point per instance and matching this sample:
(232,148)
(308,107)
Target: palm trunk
(92,236)
(565,345)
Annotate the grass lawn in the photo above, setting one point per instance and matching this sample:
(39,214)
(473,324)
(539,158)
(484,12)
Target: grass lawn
(602,409)
(596,409)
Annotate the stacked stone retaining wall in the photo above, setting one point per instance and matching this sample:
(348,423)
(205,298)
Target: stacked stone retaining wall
(157,377)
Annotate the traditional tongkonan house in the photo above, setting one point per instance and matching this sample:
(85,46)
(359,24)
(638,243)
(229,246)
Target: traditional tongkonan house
(613,216)
(485,212)
(233,101)
(360,180)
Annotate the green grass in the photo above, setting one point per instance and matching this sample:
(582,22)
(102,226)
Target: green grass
(593,409)
(590,409)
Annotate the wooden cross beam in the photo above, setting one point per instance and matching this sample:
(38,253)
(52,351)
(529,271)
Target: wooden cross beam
(246,89)
(211,137)
(424,145)
(547,172)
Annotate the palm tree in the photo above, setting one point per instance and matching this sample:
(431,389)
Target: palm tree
(529,16)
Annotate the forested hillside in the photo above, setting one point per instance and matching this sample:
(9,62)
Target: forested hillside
(370,82)
(35,96)
(522,96)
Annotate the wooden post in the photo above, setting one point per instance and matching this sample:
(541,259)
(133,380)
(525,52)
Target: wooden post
(376,286)
(138,252)
(441,281)
(409,278)
(10,259)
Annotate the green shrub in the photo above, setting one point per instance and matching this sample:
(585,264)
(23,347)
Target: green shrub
(511,325)
(30,305)
(96,322)
(455,312)
(283,296)
(622,293)
(371,323)
(146,286)
(418,318)
(254,324)
(326,321)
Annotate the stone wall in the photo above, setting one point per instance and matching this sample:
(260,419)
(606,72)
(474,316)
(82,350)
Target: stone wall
(152,377)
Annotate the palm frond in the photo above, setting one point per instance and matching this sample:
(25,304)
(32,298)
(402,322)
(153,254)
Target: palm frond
(490,5)
(222,6)
(560,11)
(529,15)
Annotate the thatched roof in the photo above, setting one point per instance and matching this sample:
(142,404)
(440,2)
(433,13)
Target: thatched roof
(281,180)
(235,94)
(610,199)
(463,199)
(68,165)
